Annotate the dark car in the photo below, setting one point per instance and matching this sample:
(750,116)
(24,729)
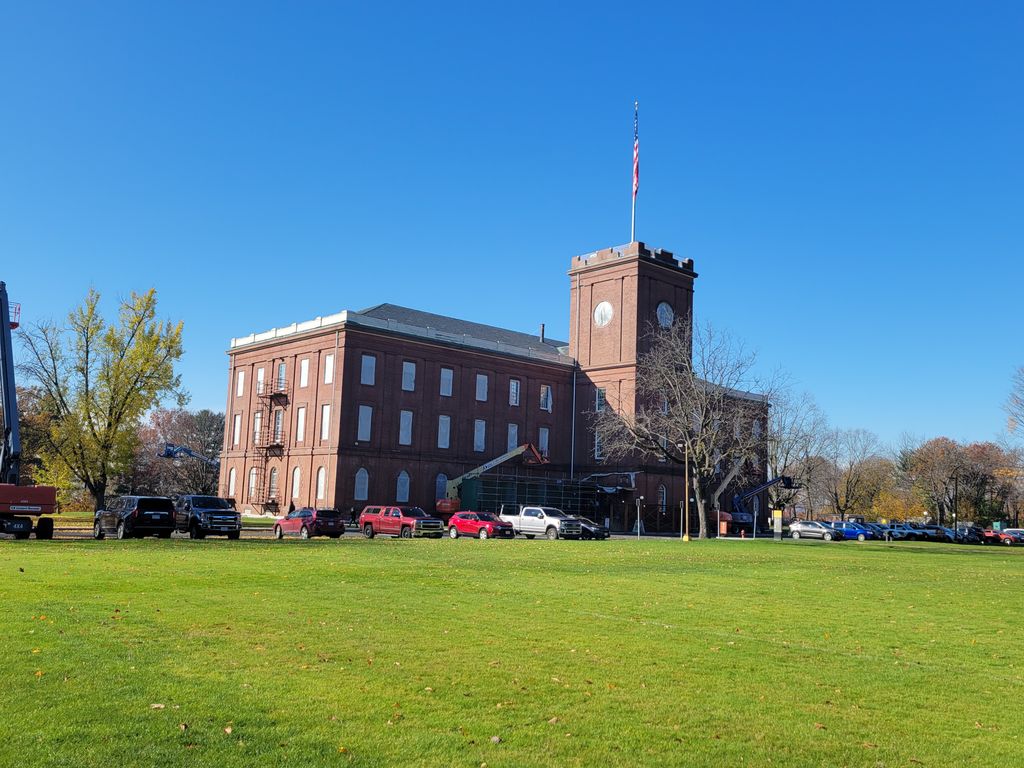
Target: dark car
(135,516)
(812,529)
(202,516)
(308,522)
(591,530)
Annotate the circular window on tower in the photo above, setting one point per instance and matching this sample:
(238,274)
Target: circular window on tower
(603,314)
(665,315)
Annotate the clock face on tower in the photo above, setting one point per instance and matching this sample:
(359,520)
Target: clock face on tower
(603,314)
(665,315)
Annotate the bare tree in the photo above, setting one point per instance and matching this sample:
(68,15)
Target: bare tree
(1015,403)
(856,471)
(797,438)
(693,401)
(933,468)
(202,431)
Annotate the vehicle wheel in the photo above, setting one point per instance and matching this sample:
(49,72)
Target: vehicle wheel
(194,532)
(453,532)
(406,532)
(1008,542)
(332,535)
(97,531)
(860,537)
(482,533)
(304,532)
(551,533)
(121,532)
(827,537)
(794,534)
(278,533)
(234,535)
(368,531)
(530,535)
(44,528)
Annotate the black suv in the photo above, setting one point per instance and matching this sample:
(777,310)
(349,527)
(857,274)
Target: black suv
(592,530)
(202,516)
(135,516)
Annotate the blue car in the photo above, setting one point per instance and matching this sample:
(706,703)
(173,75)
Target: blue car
(856,531)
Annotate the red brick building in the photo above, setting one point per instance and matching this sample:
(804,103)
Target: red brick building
(388,403)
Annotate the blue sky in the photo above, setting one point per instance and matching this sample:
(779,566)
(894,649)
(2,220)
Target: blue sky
(847,177)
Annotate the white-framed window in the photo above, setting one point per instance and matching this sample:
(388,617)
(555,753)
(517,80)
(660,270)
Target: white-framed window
(441,486)
(304,372)
(282,375)
(368,370)
(447,377)
(257,427)
(231,482)
(362,491)
(444,431)
(598,449)
(405,428)
(236,429)
(545,397)
(321,483)
(329,368)
(543,435)
(479,435)
(481,387)
(513,391)
(272,488)
(300,424)
(252,484)
(259,381)
(402,487)
(408,376)
(296,482)
(662,499)
(513,436)
(663,442)
(240,384)
(365,422)
(755,429)
(278,426)
(325,422)
(600,400)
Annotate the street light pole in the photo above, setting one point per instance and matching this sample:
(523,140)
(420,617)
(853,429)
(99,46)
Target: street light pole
(686,490)
(639,504)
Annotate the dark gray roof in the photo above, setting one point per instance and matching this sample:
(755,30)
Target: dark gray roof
(460,327)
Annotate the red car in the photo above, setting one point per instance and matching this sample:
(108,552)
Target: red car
(483,525)
(1011,536)
(407,522)
(308,522)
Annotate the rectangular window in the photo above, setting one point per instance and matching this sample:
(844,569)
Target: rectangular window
(599,400)
(325,422)
(408,376)
(481,387)
(444,431)
(513,436)
(257,427)
(479,435)
(300,424)
(542,441)
(447,376)
(236,431)
(278,426)
(365,422)
(282,376)
(259,381)
(405,428)
(545,397)
(598,452)
(329,369)
(240,384)
(513,391)
(368,372)
(304,372)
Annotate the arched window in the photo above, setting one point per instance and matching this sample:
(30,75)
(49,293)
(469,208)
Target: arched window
(252,483)
(402,487)
(362,485)
(441,486)
(231,482)
(273,483)
(321,483)
(662,499)
(296,482)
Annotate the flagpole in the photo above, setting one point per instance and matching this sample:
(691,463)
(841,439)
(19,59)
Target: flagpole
(636,168)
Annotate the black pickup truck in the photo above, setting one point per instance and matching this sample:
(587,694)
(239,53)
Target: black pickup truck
(202,516)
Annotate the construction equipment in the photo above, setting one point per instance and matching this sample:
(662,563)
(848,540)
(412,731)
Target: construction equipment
(17,502)
(174,451)
(454,487)
(741,516)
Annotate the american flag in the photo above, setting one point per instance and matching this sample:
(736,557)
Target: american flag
(636,148)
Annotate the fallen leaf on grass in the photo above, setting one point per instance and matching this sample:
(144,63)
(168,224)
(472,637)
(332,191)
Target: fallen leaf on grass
(343,750)
(553,721)
(820,726)
(183,727)
(869,745)
(156,706)
(39,673)
(35,650)
(495,739)
(227,730)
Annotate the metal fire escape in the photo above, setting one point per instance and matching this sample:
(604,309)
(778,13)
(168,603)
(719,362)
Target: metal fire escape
(269,437)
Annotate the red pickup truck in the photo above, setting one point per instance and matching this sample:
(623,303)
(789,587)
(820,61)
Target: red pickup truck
(406,522)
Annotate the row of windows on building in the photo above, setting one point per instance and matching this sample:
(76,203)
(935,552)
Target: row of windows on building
(361,490)
(281,379)
(368,377)
(274,434)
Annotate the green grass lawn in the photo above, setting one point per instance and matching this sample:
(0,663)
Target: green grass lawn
(386,652)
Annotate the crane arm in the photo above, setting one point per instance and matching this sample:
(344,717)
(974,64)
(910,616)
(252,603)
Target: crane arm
(10,445)
(739,500)
(173,451)
(454,485)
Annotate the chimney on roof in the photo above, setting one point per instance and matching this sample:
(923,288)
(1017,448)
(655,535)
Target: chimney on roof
(542,333)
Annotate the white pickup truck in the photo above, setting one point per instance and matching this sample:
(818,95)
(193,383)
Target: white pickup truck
(549,522)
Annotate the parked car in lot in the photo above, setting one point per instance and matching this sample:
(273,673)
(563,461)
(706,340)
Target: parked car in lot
(813,529)
(406,522)
(202,516)
(858,531)
(1011,536)
(937,533)
(549,522)
(135,517)
(591,530)
(482,525)
(308,522)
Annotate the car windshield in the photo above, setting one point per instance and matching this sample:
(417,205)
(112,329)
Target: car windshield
(486,516)
(552,512)
(413,512)
(328,513)
(209,502)
(588,521)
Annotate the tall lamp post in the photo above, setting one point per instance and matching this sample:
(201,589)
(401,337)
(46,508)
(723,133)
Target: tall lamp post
(684,532)
(639,504)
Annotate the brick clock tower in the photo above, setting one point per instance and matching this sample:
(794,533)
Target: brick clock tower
(618,296)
